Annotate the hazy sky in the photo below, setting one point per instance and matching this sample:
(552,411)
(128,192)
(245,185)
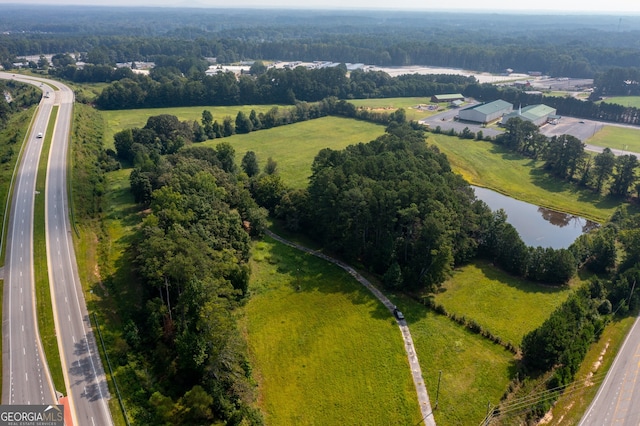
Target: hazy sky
(573,6)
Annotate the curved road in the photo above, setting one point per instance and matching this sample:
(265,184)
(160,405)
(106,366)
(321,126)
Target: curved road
(412,356)
(84,375)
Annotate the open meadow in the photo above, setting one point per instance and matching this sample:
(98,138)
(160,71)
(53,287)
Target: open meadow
(474,369)
(323,349)
(627,101)
(124,119)
(331,351)
(498,301)
(615,137)
(295,146)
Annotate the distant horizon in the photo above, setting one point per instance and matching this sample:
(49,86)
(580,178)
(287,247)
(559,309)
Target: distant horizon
(545,7)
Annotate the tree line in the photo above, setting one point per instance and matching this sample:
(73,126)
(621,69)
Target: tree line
(565,157)
(484,43)
(168,87)
(190,258)
(280,86)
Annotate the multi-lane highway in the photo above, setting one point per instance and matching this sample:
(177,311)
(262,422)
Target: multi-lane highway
(26,378)
(84,375)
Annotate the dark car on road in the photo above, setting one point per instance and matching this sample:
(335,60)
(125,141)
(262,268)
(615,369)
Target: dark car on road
(397,313)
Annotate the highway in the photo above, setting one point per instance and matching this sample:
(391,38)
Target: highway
(84,376)
(26,378)
(616,402)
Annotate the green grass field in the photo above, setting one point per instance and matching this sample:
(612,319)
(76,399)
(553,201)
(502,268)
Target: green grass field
(499,302)
(474,370)
(295,146)
(329,353)
(627,101)
(623,138)
(125,119)
(489,165)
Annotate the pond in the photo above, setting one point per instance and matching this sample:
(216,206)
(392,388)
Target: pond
(537,226)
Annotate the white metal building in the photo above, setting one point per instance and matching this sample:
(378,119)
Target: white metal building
(487,112)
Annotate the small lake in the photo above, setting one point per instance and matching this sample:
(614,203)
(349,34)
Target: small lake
(537,226)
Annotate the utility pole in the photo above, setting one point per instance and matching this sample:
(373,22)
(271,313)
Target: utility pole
(438,389)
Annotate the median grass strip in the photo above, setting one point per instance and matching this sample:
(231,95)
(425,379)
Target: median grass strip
(489,165)
(499,302)
(323,349)
(46,324)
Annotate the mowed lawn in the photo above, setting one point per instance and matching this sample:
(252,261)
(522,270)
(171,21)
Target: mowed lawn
(623,138)
(295,146)
(324,351)
(489,165)
(499,302)
(627,101)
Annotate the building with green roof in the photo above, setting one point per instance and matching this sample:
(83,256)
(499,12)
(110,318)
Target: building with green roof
(447,98)
(537,114)
(486,112)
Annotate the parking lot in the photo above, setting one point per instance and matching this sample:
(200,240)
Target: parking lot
(447,122)
(580,128)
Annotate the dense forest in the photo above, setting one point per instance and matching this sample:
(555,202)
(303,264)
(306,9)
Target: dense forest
(190,259)
(573,46)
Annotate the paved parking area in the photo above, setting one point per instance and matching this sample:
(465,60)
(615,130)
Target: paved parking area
(446,122)
(580,128)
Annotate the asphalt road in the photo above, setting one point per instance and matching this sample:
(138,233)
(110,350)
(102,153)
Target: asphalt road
(84,375)
(26,378)
(616,402)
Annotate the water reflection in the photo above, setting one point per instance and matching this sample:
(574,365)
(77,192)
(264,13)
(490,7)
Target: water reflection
(537,226)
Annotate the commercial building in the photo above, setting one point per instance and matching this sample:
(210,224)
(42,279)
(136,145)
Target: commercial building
(447,98)
(537,114)
(486,112)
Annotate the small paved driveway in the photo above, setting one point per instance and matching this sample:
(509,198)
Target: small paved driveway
(416,372)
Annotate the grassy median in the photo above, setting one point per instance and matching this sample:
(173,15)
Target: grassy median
(46,323)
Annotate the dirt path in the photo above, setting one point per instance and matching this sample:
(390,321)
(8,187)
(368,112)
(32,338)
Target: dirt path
(412,356)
